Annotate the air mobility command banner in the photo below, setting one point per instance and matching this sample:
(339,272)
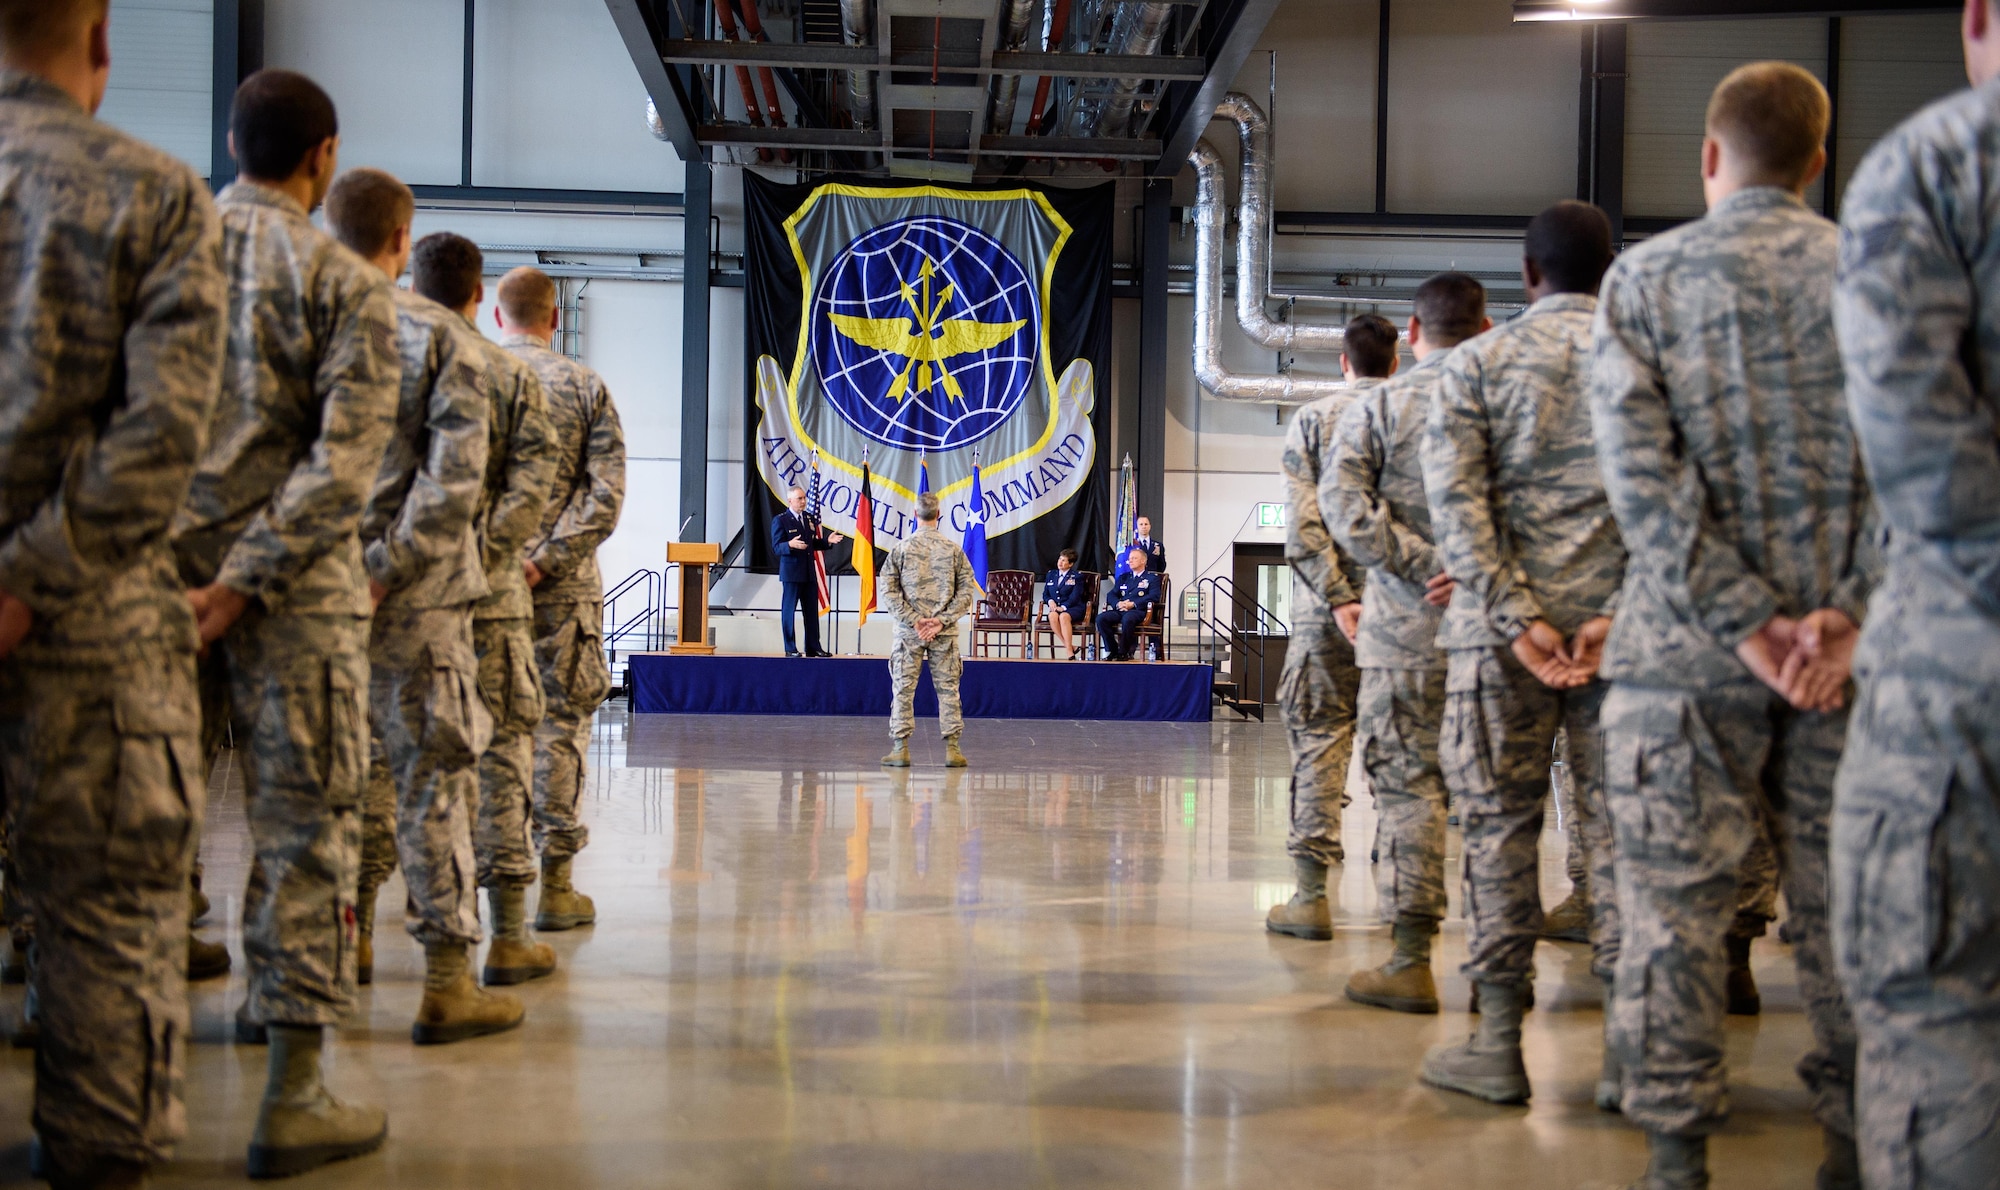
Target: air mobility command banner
(921,327)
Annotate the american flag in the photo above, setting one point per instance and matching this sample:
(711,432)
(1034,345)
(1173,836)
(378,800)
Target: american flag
(819,556)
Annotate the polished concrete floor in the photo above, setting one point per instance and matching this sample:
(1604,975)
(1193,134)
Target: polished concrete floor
(1047,970)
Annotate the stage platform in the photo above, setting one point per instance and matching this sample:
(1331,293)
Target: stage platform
(996,688)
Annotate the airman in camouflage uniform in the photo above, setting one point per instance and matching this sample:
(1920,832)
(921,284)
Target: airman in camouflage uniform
(1527,536)
(1738,488)
(1916,818)
(520,462)
(585,496)
(113,305)
(926,584)
(1319,683)
(1373,492)
(269,537)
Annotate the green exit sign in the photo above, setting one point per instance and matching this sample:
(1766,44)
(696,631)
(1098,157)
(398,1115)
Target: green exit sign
(1270,516)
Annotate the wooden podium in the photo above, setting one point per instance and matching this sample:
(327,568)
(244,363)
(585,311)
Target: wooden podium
(694,558)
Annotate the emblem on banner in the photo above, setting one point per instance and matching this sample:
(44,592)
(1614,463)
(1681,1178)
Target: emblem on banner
(925,333)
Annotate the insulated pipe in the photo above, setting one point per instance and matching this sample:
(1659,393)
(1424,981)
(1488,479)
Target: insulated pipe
(1006,88)
(857,26)
(1209,228)
(1253,239)
(1058,29)
(753,26)
(1144,31)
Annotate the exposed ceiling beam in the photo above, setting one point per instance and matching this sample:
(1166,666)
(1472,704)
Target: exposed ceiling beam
(1232,30)
(1114,148)
(1693,10)
(862,57)
(635,22)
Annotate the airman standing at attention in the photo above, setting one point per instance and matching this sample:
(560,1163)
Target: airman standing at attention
(1319,683)
(1738,487)
(114,308)
(1916,816)
(269,539)
(1526,535)
(926,584)
(585,496)
(1372,491)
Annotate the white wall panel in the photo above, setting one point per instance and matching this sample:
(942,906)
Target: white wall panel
(1325,115)
(161,64)
(1891,67)
(556,102)
(395,69)
(1482,111)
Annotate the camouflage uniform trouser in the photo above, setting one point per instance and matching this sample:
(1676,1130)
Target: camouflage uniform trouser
(100,773)
(1691,777)
(428,727)
(511,688)
(1499,730)
(1398,728)
(295,689)
(906,661)
(1317,690)
(1916,914)
(569,651)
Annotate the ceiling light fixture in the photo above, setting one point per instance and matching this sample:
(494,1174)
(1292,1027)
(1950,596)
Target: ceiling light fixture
(1686,10)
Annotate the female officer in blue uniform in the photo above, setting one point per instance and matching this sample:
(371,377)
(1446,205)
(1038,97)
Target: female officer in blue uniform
(1063,602)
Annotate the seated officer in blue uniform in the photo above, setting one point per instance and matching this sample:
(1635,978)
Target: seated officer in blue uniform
(1132,596)
(797,537)
(1062,601)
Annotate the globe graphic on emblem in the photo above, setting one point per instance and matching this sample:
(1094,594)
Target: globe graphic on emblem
(925,332)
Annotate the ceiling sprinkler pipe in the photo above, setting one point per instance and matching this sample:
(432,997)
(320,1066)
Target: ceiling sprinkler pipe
(1006,88)
(1253,239)
(857,26)
(1209,228)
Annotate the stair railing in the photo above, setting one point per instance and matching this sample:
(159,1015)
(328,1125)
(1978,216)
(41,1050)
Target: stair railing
(1238,627)
(633,615)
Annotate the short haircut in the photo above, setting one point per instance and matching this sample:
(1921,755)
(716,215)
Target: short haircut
(527,297)
(1371,345)
(1140,550)
(445,267)
(277,118)
(1451,307)
(927,507)
(1571,244)
(367,207)
(38,27)
(1774,116)
(1068,556)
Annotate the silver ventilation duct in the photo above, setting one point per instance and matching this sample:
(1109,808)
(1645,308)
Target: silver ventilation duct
(1253,239)
(857,25)
(655,125)
(1006,88)
(1135,29)
(1210,221)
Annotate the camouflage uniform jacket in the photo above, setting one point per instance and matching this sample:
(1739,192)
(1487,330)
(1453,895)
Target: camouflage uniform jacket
(927,576)
(1517,506)
(588,487)
(520,462)
(1323,576)
(1373,494)
(418,527)
(1724,440)
(112,305)
(309,389)
(1919,260)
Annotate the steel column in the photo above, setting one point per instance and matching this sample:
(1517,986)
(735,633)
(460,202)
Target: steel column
(698,193)
(1154,230)
(1604,85)
(239,53)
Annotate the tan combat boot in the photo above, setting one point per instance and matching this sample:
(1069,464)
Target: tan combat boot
(1569,921)
(206,960)
(898,757)
(300,1125)
(455,1008)
(1306,915)
(1674,1163)
(953,758)
(1488,1064)
(250,1030)
(1404,983)
(1744,998)
(514,956)
(561,907)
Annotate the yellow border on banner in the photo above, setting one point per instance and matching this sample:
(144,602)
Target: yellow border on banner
(806,296)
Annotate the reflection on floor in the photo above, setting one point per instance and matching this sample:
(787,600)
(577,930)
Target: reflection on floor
(1047,970)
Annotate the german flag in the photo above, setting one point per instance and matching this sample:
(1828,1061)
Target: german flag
(864,543)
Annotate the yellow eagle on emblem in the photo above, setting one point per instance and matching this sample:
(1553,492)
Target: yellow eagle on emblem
(925,338)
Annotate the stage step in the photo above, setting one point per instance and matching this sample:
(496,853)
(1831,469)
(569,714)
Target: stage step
(1226,693)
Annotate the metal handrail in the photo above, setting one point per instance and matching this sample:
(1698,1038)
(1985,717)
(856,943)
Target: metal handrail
(1247,627)
(647,623)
